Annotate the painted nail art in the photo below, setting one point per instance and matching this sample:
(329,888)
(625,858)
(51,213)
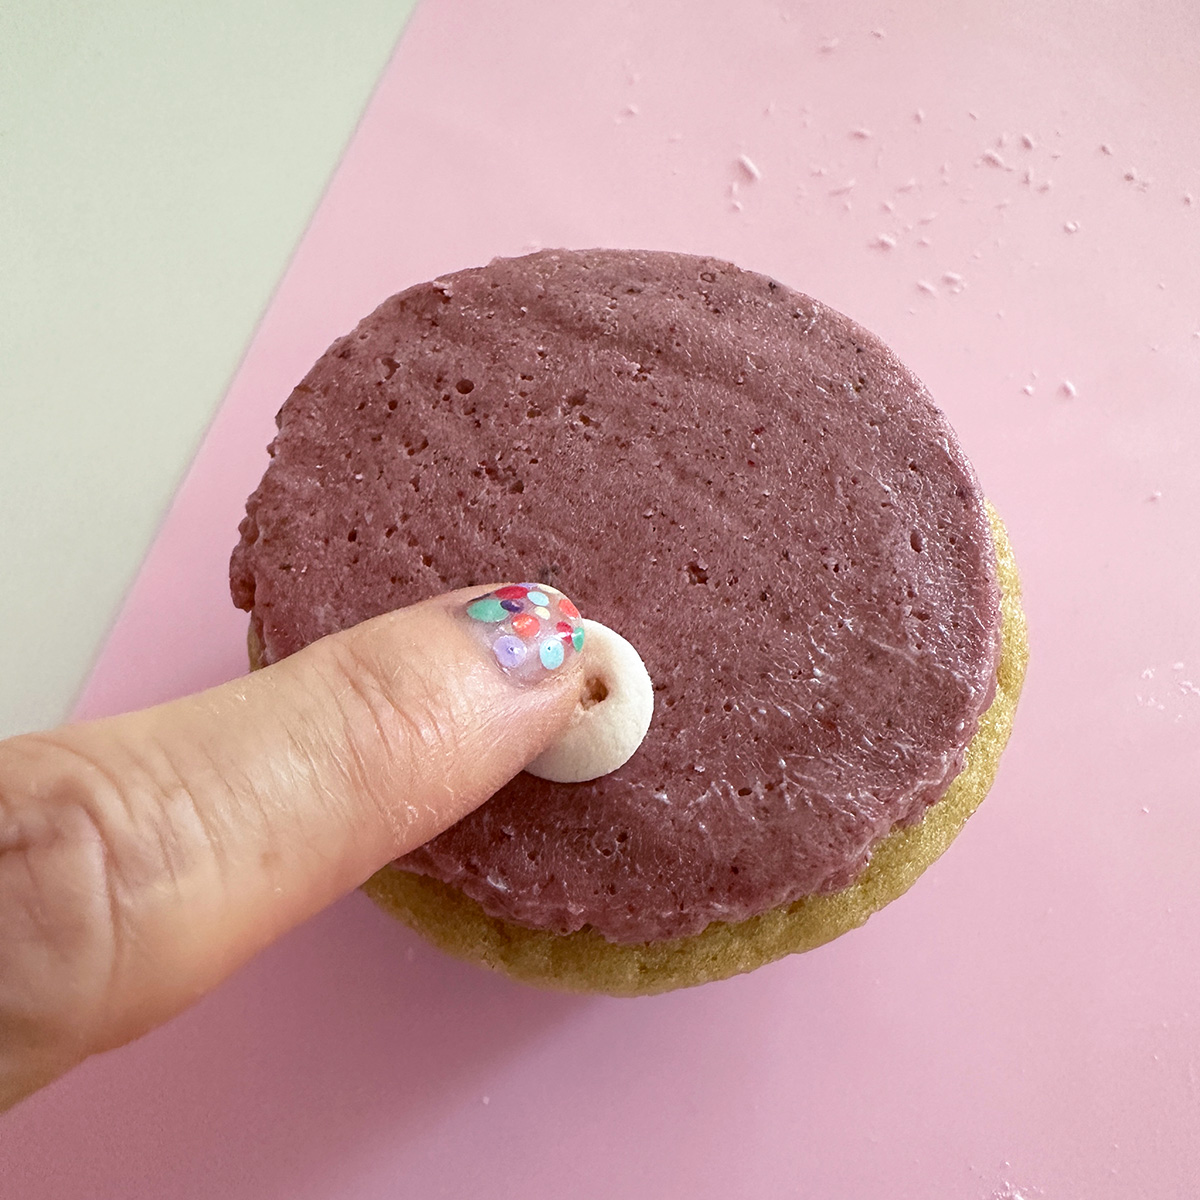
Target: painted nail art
(530,630)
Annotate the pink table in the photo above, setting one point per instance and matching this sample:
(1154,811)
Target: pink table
(1009,195)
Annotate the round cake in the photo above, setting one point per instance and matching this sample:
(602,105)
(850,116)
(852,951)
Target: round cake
(761,498)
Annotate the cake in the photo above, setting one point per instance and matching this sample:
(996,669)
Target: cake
(759,496)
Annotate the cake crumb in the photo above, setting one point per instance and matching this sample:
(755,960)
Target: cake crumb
(750,167)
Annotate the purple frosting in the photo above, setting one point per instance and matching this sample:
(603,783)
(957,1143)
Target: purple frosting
(748,486)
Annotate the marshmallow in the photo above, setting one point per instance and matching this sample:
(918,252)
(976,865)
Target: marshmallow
(613,714)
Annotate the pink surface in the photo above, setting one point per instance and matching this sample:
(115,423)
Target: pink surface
(1024,1023)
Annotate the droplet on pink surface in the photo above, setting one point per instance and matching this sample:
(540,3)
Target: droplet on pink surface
(954,280)
(1105,148)
(1071,226)
(923,285)
(861,134)
(1027,141)
(992,159)
(884,241)
(842,189)
(909,185)
(1028,389)
(919,116)
(829,45)
(1068,388)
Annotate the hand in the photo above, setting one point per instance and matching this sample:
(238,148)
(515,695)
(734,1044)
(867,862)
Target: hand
(145,857)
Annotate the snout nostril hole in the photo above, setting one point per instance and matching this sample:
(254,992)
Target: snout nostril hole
(594,691)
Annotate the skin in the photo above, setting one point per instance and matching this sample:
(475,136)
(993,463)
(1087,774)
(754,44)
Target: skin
(145,857)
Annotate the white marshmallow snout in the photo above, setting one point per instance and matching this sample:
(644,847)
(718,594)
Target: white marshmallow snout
(612,717)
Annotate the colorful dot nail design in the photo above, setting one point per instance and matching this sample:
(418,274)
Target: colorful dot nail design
(529,628)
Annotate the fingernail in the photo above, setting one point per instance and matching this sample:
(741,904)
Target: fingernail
(530,631)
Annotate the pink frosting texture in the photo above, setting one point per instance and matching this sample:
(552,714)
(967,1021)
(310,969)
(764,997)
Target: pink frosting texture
(744,483)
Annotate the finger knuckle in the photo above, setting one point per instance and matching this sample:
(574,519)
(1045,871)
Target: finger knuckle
(388,708)
(59,901)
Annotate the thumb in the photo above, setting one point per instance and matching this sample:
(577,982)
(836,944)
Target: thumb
(146,856)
